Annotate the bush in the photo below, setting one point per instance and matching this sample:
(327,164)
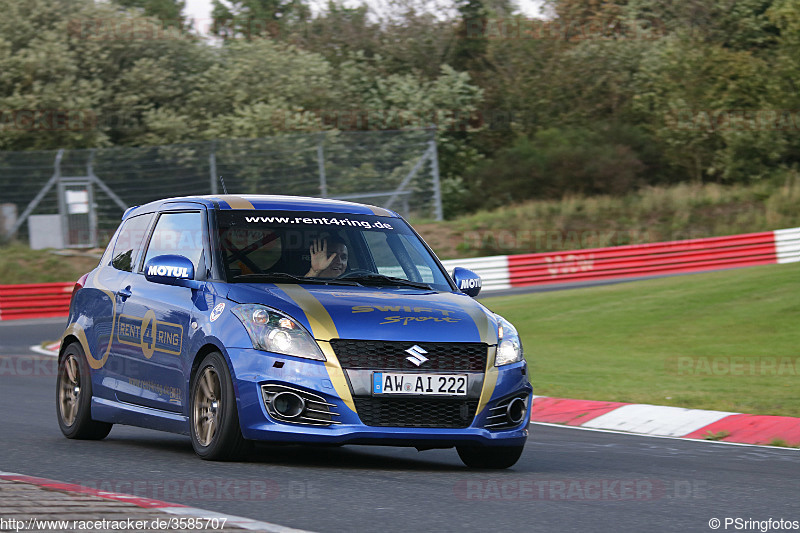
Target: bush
(559,161)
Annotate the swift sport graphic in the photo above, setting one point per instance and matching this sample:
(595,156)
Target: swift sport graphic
(235,319)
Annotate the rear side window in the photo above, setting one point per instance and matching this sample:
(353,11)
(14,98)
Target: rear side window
(129,242)
(178,234)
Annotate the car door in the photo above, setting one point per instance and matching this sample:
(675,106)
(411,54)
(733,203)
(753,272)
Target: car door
(111,285)
(156,318)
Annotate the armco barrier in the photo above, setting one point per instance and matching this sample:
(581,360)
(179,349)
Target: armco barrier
(39,300)
(504,272)
(631,261)
(644,260)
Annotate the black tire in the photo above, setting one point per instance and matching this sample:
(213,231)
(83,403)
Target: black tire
(214,418)
(74,397)
(490,457)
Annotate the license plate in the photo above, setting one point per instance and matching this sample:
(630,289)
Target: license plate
(419,384)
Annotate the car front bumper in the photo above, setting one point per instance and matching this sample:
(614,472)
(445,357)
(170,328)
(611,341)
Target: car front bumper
(253,369)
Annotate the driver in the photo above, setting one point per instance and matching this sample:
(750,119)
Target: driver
(328,258)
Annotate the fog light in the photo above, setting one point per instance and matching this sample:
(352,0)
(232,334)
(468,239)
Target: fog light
(288,404)
(515,413)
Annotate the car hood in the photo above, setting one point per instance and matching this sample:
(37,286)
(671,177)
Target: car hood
(330,312)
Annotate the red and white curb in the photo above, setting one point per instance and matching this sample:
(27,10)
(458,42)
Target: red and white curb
(147,503)
(663,421)
(47,349)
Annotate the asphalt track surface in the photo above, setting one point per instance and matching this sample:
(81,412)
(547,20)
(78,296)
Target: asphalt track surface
(567,480)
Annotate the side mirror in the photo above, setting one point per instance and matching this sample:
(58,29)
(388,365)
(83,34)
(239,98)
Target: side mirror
(171,270)
(467,280)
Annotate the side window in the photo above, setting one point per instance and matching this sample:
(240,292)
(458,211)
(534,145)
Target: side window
(384,259)
(412,250)
(129,242)
(398,256)
(178,234)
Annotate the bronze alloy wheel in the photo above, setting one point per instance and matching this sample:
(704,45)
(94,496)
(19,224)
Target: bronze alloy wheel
(214,424)
(207,405)
(69,390)
(74,397)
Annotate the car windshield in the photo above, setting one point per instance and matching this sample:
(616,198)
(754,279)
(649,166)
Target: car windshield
(317,247)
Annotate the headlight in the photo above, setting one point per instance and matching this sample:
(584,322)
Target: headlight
(509,347)
(275,332)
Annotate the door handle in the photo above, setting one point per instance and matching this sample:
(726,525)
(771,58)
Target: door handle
(125,293)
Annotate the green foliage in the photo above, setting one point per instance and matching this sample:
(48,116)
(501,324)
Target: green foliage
(168,11)
(471,41)
(256,19)
(555,161)
(686,95)
(602,97)
(719,435)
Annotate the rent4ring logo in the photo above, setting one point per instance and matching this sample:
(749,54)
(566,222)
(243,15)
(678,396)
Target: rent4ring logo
(150,334)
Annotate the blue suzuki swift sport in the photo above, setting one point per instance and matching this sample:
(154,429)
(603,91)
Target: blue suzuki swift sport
(236,319)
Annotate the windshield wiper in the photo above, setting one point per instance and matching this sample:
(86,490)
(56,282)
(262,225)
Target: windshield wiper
(272,277)
(380,279)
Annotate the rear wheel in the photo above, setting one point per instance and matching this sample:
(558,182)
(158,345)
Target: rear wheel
(74,397)
(215,431)
(490,457)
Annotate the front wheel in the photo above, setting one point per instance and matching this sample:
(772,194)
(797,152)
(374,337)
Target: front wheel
(74,397)
(490,457)
(215,431)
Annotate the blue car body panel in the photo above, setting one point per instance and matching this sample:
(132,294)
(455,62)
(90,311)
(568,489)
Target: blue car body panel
(144,339)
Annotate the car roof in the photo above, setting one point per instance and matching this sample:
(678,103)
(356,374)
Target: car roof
(266,202)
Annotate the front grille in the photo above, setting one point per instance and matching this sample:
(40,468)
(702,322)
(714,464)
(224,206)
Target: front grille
(391,355)
(416,412)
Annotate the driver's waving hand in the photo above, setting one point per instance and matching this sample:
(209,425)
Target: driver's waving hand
(328,258)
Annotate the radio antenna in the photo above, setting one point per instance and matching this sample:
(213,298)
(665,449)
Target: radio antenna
(224,188)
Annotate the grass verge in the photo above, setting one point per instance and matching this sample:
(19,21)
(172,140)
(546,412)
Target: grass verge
(20,264)
(725,340)
(652,214)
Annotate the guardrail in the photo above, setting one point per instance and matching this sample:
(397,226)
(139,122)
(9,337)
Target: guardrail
(38,300)
(508,271)
(632,261)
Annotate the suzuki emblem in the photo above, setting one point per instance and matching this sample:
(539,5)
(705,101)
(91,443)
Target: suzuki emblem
(417,355)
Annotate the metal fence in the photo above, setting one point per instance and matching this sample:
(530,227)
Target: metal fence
(74,198)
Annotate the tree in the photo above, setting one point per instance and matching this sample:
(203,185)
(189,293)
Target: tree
(252,19)
(469,52)
(170,12)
